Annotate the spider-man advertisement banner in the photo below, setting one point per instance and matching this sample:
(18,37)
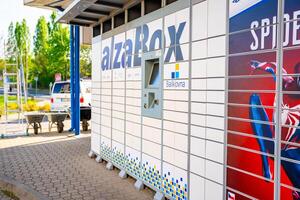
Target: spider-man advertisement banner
(251,125)
(253,107)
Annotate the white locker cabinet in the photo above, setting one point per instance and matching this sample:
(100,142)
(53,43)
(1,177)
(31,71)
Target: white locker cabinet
(172,154)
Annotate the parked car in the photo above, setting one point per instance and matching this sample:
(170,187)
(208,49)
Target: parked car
(60,95)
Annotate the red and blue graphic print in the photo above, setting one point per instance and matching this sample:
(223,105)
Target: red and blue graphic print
(253,101)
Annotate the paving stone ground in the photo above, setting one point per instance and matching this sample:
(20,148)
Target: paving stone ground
(57,166)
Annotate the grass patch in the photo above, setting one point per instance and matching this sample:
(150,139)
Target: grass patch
(10,194)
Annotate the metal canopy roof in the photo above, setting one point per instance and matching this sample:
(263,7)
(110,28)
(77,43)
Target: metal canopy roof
(89,12)
(60,5)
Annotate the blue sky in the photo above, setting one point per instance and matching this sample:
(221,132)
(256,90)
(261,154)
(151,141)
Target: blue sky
(14,10)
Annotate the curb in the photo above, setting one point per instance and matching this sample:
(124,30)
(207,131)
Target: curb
(20,190)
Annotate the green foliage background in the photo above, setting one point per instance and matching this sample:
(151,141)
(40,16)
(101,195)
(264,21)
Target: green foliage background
(50,53)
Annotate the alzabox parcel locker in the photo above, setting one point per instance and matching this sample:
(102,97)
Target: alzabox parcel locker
(150,116)
(199,99)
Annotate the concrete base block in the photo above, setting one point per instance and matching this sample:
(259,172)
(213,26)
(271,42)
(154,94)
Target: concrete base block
(123,174)
(98,159)
(91,154)
(139,185)
(109,166)
(159,196)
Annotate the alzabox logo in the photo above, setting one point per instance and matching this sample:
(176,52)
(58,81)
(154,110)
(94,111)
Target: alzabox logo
(174,83)
(176,73)
(127,53)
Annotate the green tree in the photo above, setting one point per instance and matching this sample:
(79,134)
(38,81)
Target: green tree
(50,53)
(41,37)
(11,41)
(85,61)
(59,43)
(40,51)
(22,37)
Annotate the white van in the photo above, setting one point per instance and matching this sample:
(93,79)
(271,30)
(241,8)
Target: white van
(60,96)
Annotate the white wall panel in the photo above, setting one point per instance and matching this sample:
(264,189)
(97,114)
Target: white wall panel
(198,108)
(118,136)
(215,135)
(175,157)
(216,96)
(199,29)
(118,114)
(176,141)
(215,109)
(215,122)
(105,112)
(199,68)
(151,148)
(106,84)
(133,93)
(118,124)
(216,11)
(216,46)
(95,126)
(133,74)
(215,151)
(106,131)
(133,110)
(198,147)
(96,60)
(176,116)
(198,131)
(216,84)
(118,92)
(152,122)
(199,84)
(118,107)
(152,134)
(176,127)
(216,67)
(105,98)
(133,85)
(133,142)
(199,96)
(199,49)
(196,187)
(176,95)
(95,143)
(133,128)
(176,106)
(197,165)
(133,101)
(199,120)
(119,84)
(133,118)
(213,190)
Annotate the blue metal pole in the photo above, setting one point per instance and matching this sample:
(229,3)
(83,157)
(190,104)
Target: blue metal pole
(72,76)
(77,80)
